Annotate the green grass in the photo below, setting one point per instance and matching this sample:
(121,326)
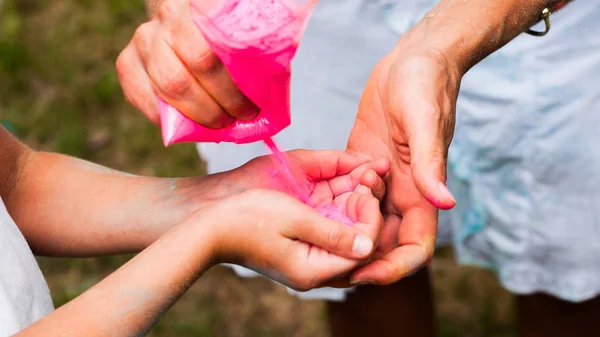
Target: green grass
(59,91)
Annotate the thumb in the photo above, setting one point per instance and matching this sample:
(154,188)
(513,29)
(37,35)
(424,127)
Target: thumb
(428,158)
(332,236)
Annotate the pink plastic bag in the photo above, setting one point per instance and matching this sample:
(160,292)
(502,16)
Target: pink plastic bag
(256,41)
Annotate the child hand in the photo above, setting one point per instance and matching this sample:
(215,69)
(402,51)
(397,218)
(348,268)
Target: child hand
(286,240)
(322,177)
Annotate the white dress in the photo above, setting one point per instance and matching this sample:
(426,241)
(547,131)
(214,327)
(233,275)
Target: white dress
(523,164)
(525,161)
(24,294)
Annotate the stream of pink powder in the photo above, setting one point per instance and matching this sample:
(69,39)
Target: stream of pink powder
(329,211)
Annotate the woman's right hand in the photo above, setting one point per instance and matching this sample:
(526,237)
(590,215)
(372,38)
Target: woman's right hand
(286,240)
(169,58)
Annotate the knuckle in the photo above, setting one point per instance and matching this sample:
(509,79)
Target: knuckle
(122,63)
(141,34)
(166,10)
(335,237)
(177,84)
(206,63)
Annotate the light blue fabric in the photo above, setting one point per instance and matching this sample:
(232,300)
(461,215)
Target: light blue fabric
(525,160)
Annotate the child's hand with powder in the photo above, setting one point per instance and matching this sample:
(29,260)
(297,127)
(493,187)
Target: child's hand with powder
(323,180)
(278,236)
(63,206)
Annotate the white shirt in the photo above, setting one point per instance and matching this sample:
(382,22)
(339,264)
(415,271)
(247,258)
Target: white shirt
(24,294)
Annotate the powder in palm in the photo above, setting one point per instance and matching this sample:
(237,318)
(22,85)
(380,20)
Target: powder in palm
(329,211)
(333,212)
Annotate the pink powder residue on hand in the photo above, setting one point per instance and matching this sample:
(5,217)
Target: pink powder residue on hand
(333,212)
(329,211)
(286,169)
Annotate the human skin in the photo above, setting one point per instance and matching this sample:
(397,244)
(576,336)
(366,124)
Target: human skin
(411,111)
(407,113)
(67,207)
(168,57)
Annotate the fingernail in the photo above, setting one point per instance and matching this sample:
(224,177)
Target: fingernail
(362,245)
(445,192)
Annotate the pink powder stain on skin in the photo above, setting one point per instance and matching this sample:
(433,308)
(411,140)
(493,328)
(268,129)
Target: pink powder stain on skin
(330,211)
(286,170)
(333,212)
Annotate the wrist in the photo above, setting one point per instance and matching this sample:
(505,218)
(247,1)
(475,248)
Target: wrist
(198,192)
(202,226)
(467,32)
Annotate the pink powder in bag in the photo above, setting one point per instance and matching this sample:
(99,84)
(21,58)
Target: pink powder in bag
(256,41)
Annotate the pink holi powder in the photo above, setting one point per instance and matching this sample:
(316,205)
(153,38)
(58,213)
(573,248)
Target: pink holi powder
(256,41)
(329,211)
(334,213)
(262,24)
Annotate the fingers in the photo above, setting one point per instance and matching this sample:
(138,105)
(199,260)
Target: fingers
(374,182)
(168,57)
(331,236)
(135,84)
(416,238)
(178,87)
(364,209)
(428,155)
(325,164)
(208,70)
(346,183)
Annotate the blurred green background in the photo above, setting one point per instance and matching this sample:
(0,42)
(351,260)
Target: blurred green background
(59,91)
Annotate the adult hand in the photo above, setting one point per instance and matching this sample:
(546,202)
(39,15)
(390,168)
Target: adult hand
(169,58)
(407,114)
(286,240)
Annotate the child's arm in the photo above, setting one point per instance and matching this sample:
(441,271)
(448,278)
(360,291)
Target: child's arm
(264,230)
(68,207)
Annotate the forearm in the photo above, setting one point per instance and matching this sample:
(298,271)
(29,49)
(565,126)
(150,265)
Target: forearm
(68,207)
(467,31)
(131,300)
